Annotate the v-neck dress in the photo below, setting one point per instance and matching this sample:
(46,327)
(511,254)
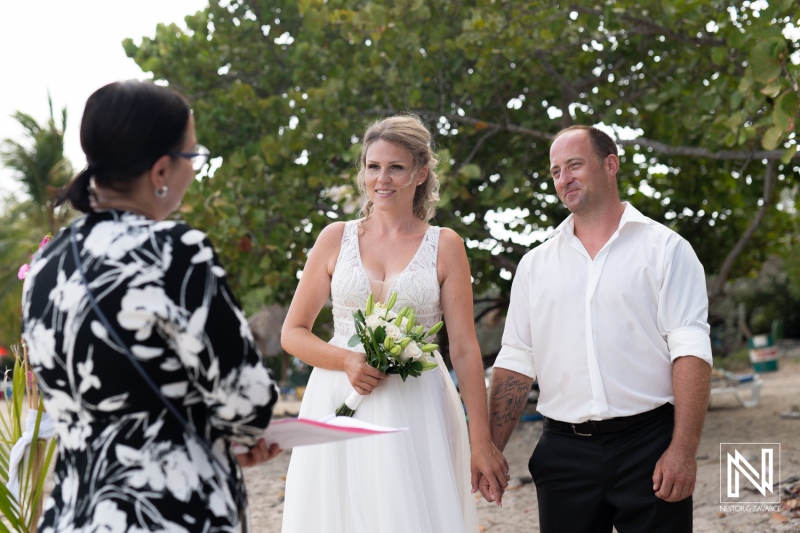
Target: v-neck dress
(412,481)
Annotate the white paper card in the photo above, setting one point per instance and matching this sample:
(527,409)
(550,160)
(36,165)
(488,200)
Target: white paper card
(291,432)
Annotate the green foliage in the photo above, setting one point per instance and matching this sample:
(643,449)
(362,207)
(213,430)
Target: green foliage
(21,515)
(758,303)
(737,361)
(38,163)
(282,90)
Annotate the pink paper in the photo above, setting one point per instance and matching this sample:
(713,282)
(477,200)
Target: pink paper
(291,432)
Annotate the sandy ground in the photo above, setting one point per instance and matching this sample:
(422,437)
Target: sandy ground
(726,422)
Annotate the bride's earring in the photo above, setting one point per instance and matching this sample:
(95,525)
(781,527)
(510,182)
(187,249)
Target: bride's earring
(162,191)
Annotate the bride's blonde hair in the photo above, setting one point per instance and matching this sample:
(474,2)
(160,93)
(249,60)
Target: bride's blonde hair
(409,132)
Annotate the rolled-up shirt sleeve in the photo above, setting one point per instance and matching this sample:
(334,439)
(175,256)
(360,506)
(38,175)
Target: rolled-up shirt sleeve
(516,353)
(683,304)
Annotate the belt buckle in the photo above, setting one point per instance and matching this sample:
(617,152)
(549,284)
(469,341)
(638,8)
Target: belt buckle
(575,431)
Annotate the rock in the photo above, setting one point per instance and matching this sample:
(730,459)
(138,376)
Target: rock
(778,517)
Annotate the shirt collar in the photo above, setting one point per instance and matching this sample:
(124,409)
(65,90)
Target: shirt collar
(632,215)
(629,216)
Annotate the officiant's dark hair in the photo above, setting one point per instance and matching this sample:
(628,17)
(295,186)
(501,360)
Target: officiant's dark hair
(126,127)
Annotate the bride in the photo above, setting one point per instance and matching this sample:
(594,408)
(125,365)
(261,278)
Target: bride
(417,480)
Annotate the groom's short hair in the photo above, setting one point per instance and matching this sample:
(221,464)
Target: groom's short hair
(602,142)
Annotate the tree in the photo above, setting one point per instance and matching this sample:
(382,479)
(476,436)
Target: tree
(38,163)
(283,89)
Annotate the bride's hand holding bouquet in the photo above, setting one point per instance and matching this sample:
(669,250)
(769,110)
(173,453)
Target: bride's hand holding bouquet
(362,377)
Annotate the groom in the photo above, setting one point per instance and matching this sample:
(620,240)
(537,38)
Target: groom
(610,315)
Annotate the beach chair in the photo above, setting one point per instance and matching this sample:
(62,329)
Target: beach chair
(724,382)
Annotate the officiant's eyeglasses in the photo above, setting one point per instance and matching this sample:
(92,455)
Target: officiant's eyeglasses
(199,157)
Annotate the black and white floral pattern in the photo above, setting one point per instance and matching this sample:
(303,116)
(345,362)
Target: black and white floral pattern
(124,463)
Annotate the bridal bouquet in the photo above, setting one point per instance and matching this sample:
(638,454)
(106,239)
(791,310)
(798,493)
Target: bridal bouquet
(393,342)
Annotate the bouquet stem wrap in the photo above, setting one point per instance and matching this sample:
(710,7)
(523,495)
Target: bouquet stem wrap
(350,404)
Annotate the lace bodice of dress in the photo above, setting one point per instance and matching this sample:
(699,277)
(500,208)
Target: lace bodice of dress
(417,286)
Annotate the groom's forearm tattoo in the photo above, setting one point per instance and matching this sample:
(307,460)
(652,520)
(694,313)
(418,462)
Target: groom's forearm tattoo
(509,397)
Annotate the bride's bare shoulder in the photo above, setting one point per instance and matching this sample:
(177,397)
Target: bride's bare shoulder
(329,243)
(450,241)
(452,256)
(452,262)
(331,233)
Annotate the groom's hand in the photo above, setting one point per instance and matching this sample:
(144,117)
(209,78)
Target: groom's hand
(363,377)
(489,468)
(489,494)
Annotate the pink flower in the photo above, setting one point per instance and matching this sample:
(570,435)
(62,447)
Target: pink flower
(23,270)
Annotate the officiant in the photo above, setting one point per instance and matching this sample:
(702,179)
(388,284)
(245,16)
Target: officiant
(145,360)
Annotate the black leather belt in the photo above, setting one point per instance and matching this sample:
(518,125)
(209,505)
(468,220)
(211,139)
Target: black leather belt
(611,425)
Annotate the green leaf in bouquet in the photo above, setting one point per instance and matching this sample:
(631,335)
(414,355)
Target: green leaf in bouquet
(373,342)
(354,341)
(359,317)
(380,334)
(417,366)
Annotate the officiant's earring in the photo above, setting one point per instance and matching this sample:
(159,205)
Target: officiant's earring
(162,191)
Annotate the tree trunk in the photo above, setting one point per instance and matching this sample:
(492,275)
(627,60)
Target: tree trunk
(769,182)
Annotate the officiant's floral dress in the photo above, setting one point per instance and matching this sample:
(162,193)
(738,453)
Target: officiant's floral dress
(124,463)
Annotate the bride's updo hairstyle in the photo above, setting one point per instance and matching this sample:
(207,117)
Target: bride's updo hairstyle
(126,127)
(409,132)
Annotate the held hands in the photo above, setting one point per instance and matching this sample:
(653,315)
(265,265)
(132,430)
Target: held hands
(363,377)
(675,474)
(489,472)
(258,454)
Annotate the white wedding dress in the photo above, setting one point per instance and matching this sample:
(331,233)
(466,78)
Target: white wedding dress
(416,481)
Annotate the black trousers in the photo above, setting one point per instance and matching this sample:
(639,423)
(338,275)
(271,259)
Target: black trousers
(589,484)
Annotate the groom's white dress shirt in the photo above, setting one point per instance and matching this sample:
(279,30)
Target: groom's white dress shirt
(601,335)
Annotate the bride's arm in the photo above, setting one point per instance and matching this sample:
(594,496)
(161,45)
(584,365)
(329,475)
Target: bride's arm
(465,354)
(311,294)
